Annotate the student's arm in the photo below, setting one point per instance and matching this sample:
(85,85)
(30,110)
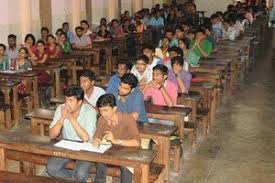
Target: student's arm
(43,60)
(81,132)
(166,96)
(203,52)
(181,84)
(57,123)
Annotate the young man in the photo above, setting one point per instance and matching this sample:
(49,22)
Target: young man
(85,25)
(149,51)
(118,128)
(122,68)
(66,29)
(91,92)
(77,122)
(216,25)
(12,51)
(129,98)
(44,34)
(162,91)
(140,70)
(81,41)
(178,75)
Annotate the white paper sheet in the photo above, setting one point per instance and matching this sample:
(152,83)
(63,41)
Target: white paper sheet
(77,146)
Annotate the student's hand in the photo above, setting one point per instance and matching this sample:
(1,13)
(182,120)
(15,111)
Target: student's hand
(109,136)
(96,143)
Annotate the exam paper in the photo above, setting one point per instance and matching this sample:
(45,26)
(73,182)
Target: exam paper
(78,146)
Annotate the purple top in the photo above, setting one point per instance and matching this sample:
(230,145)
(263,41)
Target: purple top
(184,75)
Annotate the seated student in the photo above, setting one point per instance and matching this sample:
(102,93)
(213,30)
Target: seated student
(229,30)
(92,92)
(210,37)
(64,44)
(122,68)
(77,122)
(140,70)
(81,41)
(52,47)
(162,91)
(129,98)
(44,34)
(201,46)
(178,75)
(86,29)
(149,51)
(69,34)
(103,33)
(173,52)
(5,61)
(162,51)
(216,25)
(116,29)
(237,24)
(118,128)
(30,44)
(140,27)
(12,50)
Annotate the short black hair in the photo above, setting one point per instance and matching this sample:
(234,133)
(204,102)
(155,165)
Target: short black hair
(50,36)
(88,74)
(200,29)
(78,27)
(32,37)
(85,22)
(45,29)
(130,79)
(176,49)
(65,23)
(170,30)
(106,100)
(3,46)
(59,30)
(144,58)
(186,42)
(127,64)
(213,16)
(75,91)
(177,60)
(41,41)
(12,36)
(149,47)
(162,68)
(24,48)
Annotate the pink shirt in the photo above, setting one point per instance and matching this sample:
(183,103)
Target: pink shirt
(157,97)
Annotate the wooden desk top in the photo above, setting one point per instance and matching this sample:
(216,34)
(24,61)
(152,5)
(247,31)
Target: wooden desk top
(157,109)
(194,96)
(46,66)
(204,84)
(9,83)
(156,129)
(42,114)
(20,74)
(35,144)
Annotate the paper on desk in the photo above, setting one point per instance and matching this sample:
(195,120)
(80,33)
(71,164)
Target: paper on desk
(77,146)
(9,72)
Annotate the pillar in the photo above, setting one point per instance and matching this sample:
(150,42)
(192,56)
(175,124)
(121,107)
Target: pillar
(76,8)
(112,10)
(136,6)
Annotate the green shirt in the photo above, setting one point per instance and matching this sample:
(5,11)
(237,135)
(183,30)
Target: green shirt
(5,63)
(67,48)
(206,45)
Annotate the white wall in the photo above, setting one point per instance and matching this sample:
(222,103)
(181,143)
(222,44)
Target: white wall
(211,6)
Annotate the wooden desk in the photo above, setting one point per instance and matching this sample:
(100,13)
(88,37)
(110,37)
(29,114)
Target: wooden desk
(41,119)
(175,114)
(36,145)
(31,78)
(8,87)
(191,100)
(54,69)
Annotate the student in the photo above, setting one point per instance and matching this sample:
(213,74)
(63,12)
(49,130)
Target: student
(44,34)
(64,44)
(173,52)
(149,51)
(122,68)
(52,47)
(178,75)
(5,62)
(85,25)
(116,29)
(162,51)
(216,25)
(30,44)
(81,41)
(75,121)
(118,128)
(12,50)
(69,34)
(92,92)
(130,99)
(229,30)
(201,46)
(103,33)
(210,37)
(162,91)
(140,27)
(140,70)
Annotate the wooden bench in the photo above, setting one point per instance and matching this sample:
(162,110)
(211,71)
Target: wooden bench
(12,177)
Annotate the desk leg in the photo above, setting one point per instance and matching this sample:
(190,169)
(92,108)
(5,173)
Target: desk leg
(165,157)
(57,82)
(74,74)
(16,104)
(3,160)
(35,92)
(141,174)
(6,92)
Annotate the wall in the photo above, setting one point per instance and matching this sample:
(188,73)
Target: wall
(211,6)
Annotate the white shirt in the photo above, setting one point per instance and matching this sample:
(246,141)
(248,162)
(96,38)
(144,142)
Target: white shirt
(97,92)
(238,27)
(147,74)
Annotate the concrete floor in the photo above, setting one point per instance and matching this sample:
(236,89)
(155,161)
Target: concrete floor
(241,145)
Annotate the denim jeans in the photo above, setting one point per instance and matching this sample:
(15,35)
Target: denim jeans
(101,171)
(56,168)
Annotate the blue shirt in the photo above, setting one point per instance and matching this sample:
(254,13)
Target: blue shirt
(113,85)
(156,22)
(70,36)
(134,103)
